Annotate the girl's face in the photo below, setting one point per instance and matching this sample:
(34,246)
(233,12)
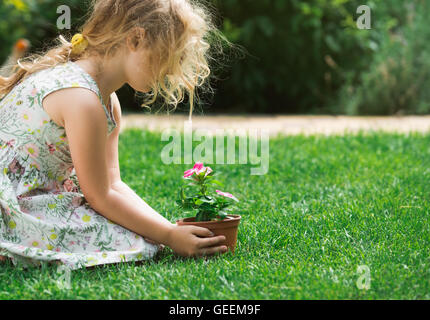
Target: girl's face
(138,69)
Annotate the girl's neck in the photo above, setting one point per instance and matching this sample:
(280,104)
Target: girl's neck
(108,75)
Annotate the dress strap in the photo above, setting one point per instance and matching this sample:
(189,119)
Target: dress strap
(70,75)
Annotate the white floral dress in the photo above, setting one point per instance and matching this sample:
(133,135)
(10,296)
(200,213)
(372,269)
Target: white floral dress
(43,214)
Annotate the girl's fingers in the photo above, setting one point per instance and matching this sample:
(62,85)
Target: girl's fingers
(212,250)
(202,232)
(209,242)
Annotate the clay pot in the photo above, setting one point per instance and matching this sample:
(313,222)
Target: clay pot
(227,227)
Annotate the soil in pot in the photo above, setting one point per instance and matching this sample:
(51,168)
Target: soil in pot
(227,227)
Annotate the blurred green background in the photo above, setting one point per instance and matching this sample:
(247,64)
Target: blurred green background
(305,57)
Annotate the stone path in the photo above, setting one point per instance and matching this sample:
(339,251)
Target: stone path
(288,125)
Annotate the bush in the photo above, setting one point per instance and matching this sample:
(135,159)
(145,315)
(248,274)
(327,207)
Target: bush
(298,53)
(302,56)
(397,79)
(34,20)
(289,44)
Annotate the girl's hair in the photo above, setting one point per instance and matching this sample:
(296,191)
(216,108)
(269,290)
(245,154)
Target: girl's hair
(179,33)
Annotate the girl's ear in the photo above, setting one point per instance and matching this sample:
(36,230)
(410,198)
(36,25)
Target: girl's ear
(135,39)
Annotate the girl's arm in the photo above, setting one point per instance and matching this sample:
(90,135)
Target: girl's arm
(113,160)
(86,128)
(128,193)
(126,208)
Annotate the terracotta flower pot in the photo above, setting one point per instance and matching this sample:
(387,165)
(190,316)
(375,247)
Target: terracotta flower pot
(227,227)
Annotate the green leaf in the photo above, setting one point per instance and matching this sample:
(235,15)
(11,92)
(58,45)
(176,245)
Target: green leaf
(199,216)
(198,202)
(209,207)
(207,199)
(203,216)
(222,214)
(217,182)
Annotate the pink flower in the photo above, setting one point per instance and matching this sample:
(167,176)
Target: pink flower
(51,147)
(208,170)
(10,143)
(198,168)
(8,210)
(15,166)
(226,194)
(35,165)
(32,150)
(35,243)
(25,210)
(34,92)
(52,186)
(68,185)
(26,115)
(76,201)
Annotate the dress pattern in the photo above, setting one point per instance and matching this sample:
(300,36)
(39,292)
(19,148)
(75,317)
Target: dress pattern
(44,215)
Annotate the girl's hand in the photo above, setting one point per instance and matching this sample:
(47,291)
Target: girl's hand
(187,242)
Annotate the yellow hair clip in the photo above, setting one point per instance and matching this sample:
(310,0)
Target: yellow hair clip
(79,43)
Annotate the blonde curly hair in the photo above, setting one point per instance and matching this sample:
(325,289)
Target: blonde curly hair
(180,34)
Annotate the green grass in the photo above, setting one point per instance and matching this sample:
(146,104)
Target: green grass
(327,205)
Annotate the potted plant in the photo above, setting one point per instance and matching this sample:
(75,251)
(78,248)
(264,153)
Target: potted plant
(210,206)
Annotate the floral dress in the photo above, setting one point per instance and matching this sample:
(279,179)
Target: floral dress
(44,216)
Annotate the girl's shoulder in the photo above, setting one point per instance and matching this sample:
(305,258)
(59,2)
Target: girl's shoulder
(61,76)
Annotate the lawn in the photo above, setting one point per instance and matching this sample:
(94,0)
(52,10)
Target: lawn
(327,206)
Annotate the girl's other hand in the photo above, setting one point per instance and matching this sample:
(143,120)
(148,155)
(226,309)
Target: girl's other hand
(189,241)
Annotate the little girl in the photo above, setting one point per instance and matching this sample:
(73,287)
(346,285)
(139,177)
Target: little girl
(61,195)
